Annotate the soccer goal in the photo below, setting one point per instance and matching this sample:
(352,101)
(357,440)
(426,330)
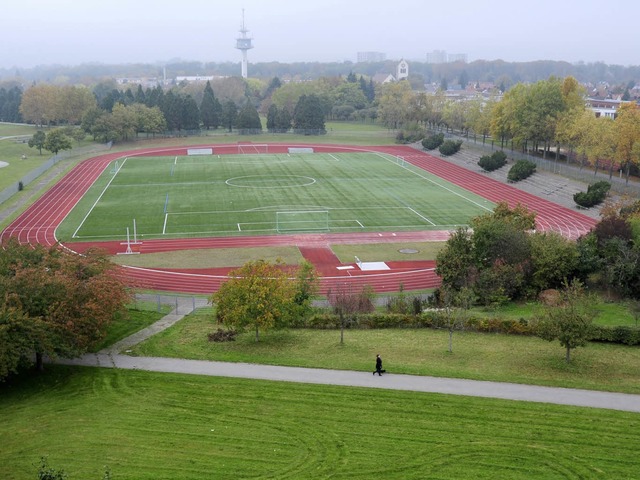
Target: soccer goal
(252,148)
(302,221)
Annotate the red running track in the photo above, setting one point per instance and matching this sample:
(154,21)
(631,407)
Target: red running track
(37,225)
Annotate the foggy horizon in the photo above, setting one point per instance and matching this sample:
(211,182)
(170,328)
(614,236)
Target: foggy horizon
(64,32)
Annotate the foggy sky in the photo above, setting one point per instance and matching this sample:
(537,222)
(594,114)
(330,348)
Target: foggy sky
(72,32)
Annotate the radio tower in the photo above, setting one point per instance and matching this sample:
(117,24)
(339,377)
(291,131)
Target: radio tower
(243,44)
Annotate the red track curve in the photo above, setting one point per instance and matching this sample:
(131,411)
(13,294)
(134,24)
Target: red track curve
(38,224)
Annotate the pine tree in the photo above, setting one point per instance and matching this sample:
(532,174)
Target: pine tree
(249,120)
(308,116)
(208,112)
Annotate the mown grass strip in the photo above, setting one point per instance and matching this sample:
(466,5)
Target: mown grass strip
(150,425)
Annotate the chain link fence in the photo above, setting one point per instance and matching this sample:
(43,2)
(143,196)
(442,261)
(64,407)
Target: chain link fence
(563,168)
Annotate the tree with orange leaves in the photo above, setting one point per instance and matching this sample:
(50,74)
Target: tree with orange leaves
(53,303)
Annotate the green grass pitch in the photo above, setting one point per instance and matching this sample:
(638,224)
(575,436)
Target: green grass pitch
(200,196)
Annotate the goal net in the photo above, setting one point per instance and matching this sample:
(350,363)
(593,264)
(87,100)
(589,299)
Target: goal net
(252,148)
(302,221)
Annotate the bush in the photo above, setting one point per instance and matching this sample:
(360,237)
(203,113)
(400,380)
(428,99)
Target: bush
(625,335)
(433,142)
(521,170)
(496,160)
(595,194)
(449,147)
(409,136)
(221,335)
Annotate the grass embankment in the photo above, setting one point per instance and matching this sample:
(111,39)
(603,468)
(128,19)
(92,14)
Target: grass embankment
(149,425)
(502,358)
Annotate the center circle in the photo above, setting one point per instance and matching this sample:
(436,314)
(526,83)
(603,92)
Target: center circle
(270,181)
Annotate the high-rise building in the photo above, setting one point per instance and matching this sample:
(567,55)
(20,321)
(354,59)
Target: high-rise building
(437,56)
(457,57)
(244,45)
(371,57)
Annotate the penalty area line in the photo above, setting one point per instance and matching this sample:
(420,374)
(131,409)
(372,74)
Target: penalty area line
(422,216)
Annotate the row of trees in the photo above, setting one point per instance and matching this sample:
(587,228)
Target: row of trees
(10,99)
(503,258)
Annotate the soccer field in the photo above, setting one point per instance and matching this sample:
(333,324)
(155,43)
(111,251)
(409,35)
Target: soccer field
(211,195)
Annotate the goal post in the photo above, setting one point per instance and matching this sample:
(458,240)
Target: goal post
(302,221)
(252,148)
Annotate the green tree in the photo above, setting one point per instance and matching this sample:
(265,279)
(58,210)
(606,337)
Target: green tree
(308,116)
(569,319)
(229,115)
(249,119)
(306,287)
(37,140)
(259,295)
(56,141)
(455,263)
(554,259)
(208,111)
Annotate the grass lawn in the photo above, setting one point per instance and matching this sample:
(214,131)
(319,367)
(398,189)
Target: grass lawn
(139,316)
(150,425)
(502,358)
(607,313)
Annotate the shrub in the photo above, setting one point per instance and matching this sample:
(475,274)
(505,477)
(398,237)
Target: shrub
(409,136)
(433,142)
(595,194)
(449,147)
(521,170)
(496,160)
(221,335)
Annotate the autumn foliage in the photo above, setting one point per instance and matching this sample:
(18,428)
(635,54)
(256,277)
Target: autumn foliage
(53,303)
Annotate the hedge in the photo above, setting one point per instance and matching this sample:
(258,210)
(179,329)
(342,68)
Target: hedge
(625,335)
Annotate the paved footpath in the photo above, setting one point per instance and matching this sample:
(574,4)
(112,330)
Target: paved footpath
(110,358)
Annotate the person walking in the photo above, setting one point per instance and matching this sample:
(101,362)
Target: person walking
(379,369)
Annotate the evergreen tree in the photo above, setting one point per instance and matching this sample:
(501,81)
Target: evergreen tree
(154,97)
(274,84)
(139,96)
(190,114)
(283,121)
(171,110)
(229,115)
(351,78)
(308,116)
(272,115)
(249,120)
(209,115)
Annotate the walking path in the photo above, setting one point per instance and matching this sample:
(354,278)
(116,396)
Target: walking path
(111,358)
